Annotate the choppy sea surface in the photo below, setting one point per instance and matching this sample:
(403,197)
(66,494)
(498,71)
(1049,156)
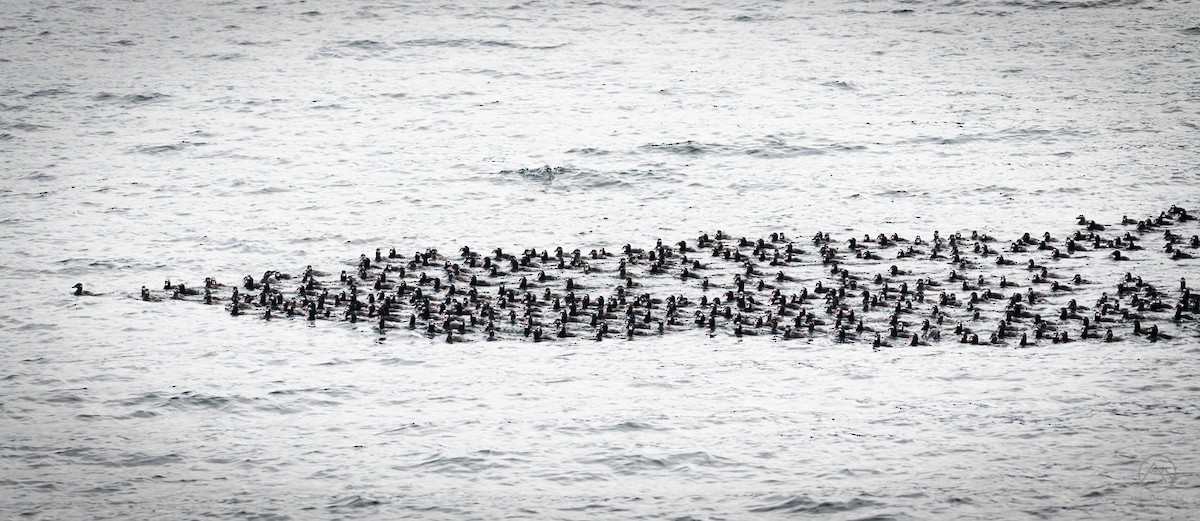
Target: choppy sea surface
(143,141)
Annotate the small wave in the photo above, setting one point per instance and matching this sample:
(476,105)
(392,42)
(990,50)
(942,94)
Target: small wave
(492,73)
(627,464)
(224,56)
(400,361)
(806,505)
(634,426)
(353,48)
(163,149)
(6,137)
(139,99)
(458,465)
(366,44)
(471,42)
(354,502)
(47,93)
(63,397)
(842,85)
(189,400)
(39,176)
(139,459)
(140,399)
(589,151)
(1191,31)
(568,178)
(686,148)
(781,150)
(545,174)
(123,43)
(1066,4)
(23,127)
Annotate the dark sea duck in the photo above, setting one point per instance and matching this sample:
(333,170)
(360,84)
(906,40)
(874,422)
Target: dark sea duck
(748,287)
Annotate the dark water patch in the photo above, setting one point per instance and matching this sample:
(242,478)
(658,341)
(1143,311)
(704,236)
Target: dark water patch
(232,56)
(4,107)
(589,151)
(62,397)
(604,507)
(289,392)
(142,99)
(370,45)
(7,137)
(112,488)
(354,502)
(749,18)
(47,93)
(630,426)
(23,127)
(544,175)
(38,327)
(807,505)
(1191,31)
(39,177)
(93,456)
(1064,4)
(123,43)
(139,415)
(311,13)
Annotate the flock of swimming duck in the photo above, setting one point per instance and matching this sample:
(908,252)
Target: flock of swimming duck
(883,290)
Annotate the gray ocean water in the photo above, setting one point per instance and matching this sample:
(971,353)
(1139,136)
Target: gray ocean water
(143,141)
